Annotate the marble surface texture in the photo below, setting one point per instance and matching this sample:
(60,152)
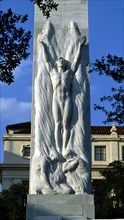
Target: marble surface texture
(60,151)
(60,207)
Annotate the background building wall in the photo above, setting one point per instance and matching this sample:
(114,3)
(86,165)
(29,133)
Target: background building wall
(15,168)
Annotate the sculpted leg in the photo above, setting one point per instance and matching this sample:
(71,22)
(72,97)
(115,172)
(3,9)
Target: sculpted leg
(58,125)
(58,138)
(66,120)
(65,135)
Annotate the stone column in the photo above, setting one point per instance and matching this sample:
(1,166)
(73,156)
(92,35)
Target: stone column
(61,143)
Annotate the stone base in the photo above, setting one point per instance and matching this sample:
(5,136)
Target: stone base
(60,207)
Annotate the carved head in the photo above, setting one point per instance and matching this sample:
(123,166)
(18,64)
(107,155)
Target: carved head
(67,154)
(61,62)
(53,155)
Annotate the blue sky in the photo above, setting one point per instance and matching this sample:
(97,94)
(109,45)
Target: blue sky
(106,32)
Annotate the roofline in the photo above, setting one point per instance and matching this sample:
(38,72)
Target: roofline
(26,126)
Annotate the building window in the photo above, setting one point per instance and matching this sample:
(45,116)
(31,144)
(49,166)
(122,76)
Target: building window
(26,151)
(123,153)
(100,153)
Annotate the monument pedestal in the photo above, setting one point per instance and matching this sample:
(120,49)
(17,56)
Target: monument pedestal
(60,207)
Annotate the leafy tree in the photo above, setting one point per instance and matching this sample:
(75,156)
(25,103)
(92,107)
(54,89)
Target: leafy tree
(13,202)
(112,66)
(46,6)
(109,197)
(15,40)
(14,44)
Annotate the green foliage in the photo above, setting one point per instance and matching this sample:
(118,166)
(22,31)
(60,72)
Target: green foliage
(15,40)
(114,181)
(14,44)
(112,66)
(13,202)
(46,6)
(109,196)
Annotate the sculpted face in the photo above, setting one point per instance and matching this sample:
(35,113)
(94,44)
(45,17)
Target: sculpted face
(60,62)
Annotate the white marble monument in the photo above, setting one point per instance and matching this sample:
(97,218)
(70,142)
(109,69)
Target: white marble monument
(60,151)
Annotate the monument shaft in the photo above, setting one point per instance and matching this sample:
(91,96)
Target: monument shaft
(60,154)
(60,143)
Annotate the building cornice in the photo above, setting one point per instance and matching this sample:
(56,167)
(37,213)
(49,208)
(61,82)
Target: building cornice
(14,166)
(21,137)
(107,138)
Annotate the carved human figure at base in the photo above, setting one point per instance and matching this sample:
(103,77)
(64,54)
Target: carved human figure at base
(61,74)
(42,170)
(75,171)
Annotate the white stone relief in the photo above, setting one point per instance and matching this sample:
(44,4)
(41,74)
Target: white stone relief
(60,164)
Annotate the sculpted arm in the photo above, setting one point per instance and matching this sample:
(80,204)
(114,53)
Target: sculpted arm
(46,60)
(82,42)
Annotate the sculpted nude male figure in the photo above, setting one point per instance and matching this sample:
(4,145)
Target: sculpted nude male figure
(61,74)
